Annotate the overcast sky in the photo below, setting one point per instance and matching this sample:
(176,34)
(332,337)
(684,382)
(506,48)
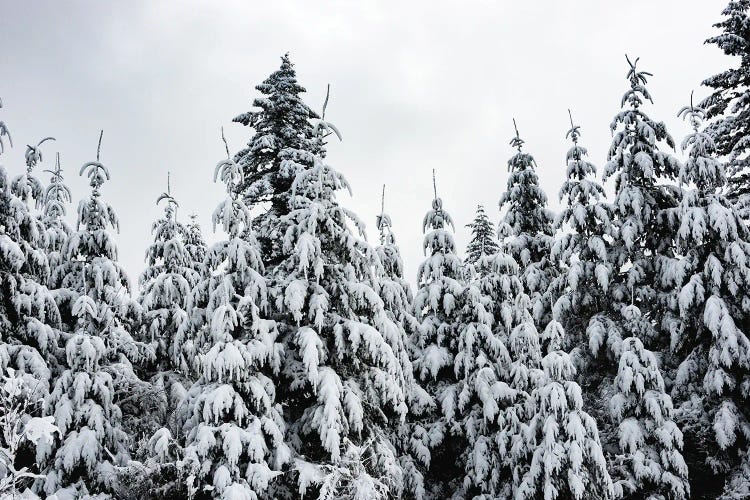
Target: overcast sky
(415,86)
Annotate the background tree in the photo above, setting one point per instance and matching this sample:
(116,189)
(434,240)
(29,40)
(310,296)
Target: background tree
(483,241)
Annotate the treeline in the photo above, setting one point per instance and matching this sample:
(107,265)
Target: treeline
(601,352)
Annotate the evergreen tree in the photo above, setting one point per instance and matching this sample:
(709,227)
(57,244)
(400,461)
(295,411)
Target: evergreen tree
(729,104)
(483,241)
(195,245)
(525,231)
(650,463)
(234,431)
(98,356)
(582,249)
(343,385)
(56,196)
(566,459)
(436,440)
(397,298)
(29,322)
(284,143)
(643,234)
(710,301)
(166,284)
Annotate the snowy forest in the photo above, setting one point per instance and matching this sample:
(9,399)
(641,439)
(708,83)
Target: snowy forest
(601,352)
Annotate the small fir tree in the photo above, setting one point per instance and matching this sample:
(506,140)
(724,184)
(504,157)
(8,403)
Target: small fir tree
(483,241)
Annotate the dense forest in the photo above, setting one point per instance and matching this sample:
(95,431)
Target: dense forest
(600,352)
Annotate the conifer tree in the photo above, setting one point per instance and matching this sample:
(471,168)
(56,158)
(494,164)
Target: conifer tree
(650,462)
(582,250)
(343,386)
(29,322)
(483,241)
(234,431)
(56,197)
(195,245)
(525,231)
(98,356)
(566,458)
(729,103)
(397,298)
(643,195)
(711,292)
(440,284)
(283,144)
(166,284)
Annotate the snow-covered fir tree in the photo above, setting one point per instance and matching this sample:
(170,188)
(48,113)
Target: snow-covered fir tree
(396,294)
(526,231)
(165,287)
(233,429)
(650,462)
(99,352)
(343,385)
(56,198)
(284,143)
(711,293)
(566,458)
(729,103)
(643,195)
(195,245)
(582,252)
(29,320)
(435,440)
(483,241)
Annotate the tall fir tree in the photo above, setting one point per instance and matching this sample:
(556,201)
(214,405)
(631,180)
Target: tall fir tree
(643,195)
(585,228)
(711,293)
(729,103)
(99,352)
(233,429)
(440,283)
(29,323)
(483,241)
(525,231)
(165,288)
(397,298)
(343,385)
(283,144)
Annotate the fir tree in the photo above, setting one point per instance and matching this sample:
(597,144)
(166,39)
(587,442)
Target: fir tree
(166,284)
(56,196)
(650,463)
(582,250)
(397,298)
(435,439)
(710,296)
(525,230)
(98,356)
(234,431)
(642,197)
(729,105)
(29,321)
(284,143)
(483,241)
(195,245)
(343,386)
(566,458)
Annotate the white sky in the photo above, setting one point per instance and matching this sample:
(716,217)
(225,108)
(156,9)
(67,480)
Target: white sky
(415,86)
